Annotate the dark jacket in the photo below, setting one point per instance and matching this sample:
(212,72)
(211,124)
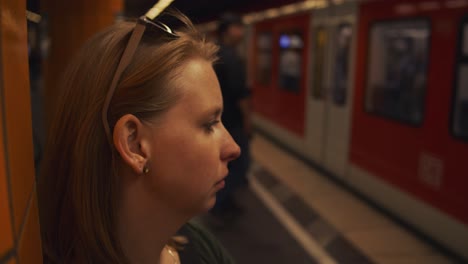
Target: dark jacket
(231,73)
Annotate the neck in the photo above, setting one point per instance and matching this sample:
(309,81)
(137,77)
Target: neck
(144,225)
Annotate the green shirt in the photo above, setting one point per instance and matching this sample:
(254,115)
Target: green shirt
(202,247)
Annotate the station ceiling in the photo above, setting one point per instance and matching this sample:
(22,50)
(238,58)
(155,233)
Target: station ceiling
(206,10)
(199,10)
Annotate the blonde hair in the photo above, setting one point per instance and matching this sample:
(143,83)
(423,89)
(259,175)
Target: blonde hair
(78,186)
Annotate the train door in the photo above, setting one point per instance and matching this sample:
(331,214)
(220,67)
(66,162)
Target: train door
(280,73)
(330,86)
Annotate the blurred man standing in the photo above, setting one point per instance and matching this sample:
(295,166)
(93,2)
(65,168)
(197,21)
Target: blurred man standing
(231,72)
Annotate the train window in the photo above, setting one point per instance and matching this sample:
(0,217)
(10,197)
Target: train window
(290,61)
(465,40)
(264,58)
(397,69)
(460,103)
(320,44)
(343,39)
(460,121)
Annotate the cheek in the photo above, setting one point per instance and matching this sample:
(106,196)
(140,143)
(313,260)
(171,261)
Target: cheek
(187,185)
(189,167)
(199,163)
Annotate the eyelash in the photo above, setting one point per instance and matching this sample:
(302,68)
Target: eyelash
(209,126)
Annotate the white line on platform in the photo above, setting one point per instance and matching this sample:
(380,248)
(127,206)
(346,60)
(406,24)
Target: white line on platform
(311,246)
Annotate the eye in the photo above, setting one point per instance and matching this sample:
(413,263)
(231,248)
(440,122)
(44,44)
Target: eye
(209,126)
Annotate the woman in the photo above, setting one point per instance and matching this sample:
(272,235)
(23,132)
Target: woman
(136,148)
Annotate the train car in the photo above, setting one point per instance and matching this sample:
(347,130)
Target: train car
(409,143)
(376,93)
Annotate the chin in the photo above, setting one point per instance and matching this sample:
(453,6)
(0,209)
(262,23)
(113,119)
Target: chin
(204,206)
(209,204)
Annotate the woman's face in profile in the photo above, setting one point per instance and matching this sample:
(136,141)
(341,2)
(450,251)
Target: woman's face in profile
(191,148)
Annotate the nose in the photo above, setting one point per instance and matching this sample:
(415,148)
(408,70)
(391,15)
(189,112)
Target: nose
(231,150)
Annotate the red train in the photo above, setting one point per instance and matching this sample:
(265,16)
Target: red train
(375,92)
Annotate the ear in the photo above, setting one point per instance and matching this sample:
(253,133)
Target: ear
(131,139)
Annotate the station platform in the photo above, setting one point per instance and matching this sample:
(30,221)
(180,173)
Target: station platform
(294,214)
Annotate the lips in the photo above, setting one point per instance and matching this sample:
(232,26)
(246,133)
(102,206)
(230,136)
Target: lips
(223,179)
(220,184)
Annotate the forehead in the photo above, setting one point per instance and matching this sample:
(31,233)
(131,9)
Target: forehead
(198,85)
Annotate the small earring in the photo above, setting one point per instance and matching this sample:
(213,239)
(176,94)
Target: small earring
(145,170)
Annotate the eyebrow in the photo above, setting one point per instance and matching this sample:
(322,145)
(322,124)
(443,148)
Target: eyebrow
(216,112)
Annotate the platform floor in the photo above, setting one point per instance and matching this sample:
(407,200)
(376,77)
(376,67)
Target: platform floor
(293,214)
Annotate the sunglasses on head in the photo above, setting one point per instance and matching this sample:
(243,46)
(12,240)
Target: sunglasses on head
(148,20)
